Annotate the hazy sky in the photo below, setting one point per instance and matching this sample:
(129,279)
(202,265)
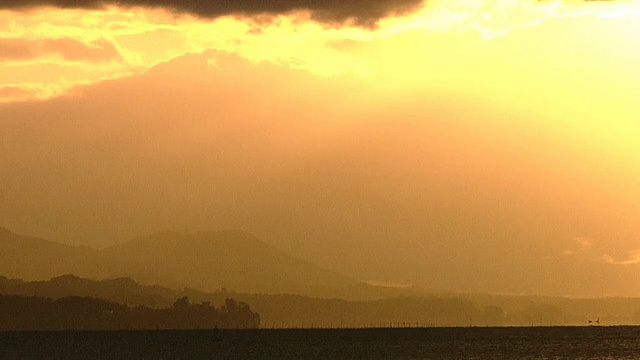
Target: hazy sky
(459,145)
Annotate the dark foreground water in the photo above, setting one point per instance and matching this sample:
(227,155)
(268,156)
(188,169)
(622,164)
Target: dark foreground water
(430,343)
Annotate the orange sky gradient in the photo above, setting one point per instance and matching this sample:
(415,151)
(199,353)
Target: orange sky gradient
(464,145)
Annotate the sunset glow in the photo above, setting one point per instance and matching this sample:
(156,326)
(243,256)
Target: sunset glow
(50,50)
(460,145)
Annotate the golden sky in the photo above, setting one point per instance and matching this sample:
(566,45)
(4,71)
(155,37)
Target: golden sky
(450,144)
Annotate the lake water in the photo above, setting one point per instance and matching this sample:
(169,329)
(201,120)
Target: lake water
(416,343)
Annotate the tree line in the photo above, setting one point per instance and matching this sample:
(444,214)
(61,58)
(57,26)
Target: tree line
(31,313)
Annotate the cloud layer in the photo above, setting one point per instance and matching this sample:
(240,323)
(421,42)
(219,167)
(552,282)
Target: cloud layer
(363,12)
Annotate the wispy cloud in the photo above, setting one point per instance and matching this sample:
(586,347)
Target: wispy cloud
(10,93)
(632,259)
(390,284)
(68,49)
(27,92)
(580,245)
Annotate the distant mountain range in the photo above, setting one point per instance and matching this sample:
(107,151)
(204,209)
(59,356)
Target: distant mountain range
(155,270)
(303,311)
(33,258)
(118,290)
(206,261)
(224,259)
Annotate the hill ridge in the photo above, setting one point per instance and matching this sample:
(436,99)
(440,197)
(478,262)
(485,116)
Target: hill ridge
(204,260)
(239,260)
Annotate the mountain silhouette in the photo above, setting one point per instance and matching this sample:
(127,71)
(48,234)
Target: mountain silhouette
(120,290)
(206,261)
(33,258)
(224,259)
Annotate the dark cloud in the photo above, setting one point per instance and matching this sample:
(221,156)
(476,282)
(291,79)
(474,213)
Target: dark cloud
(363,12)
(68,49)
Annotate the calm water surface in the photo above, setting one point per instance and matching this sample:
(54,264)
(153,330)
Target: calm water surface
(430,343)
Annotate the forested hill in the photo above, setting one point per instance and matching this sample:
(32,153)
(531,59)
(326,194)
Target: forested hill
(20,313)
